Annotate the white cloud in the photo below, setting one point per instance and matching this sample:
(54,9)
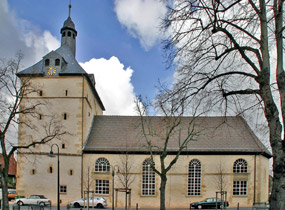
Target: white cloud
(113,83)
(22,36)
(142,19)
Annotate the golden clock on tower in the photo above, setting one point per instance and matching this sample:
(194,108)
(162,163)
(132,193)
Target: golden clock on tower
(51,70)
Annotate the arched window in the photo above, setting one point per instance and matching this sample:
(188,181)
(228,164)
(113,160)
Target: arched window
(240,166)
(57,62)
(148,178)
(46,62)
(194,177)
(102,165)
(69,33)
(63,34)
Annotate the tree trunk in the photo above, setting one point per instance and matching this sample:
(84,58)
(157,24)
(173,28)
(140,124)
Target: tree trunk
(126,199)
(278,188)
(162,191)
(4,183)
(277,145)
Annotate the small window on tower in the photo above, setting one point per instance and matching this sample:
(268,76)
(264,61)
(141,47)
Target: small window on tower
(40,117)
(50,170)
(33,171)
(73,36)
(64,116)
(66,92)
(63,34)
(46,62)
(63,189)
(40,93)
(57,62)
(70,172)
(69,33)
(63,146)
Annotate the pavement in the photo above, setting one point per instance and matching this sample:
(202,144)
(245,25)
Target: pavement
(65,208)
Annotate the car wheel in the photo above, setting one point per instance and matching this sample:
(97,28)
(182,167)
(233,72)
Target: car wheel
(99,205)
(42,204)
(20,203)
(76,205)
(221,206)
(200,206)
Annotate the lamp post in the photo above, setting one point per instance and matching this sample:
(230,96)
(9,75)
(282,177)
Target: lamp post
(52,155)
(113,183)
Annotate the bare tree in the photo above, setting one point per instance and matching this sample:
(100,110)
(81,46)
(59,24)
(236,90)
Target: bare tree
(232,52)
(221,182)
(126,177)
(88,185)
(220,178)
(166,137)
(13,93)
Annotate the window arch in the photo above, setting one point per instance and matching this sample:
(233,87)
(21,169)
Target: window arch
(194,177)
(148,178)
(240,166)
(102,165)
(46,62)
(57,62)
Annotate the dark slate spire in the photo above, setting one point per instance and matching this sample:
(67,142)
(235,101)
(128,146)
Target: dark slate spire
(68,34)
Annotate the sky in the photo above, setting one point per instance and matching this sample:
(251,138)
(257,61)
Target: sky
(120,41)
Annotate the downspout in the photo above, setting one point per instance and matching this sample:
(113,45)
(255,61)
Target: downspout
(82,103)
(254,186)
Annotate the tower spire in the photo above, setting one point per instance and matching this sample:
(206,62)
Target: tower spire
(69,32)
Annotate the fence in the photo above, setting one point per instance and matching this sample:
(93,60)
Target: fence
(260,206)
(31,207)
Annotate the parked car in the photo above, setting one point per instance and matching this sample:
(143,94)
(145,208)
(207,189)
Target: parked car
(34,200)
(11,194)
(99,202)
(209,203)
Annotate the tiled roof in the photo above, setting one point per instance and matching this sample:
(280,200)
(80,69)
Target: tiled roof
(12,165)
(71,67)
(212,134)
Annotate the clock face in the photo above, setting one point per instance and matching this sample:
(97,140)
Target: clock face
(51,70)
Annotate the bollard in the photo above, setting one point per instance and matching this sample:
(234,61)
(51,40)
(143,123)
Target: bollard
(238,207)
(137,206)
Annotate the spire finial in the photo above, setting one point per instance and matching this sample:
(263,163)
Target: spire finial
(69,6)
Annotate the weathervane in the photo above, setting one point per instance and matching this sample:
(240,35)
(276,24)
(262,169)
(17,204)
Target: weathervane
(69,6)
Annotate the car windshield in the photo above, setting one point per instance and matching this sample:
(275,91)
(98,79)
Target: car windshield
(95,198)
(42,197)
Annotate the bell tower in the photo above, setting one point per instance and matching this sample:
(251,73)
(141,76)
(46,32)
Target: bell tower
(68,34)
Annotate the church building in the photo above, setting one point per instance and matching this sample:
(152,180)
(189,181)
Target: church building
(224,155)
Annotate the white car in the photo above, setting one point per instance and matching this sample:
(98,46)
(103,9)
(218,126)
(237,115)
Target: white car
(34,200)
(99,202)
